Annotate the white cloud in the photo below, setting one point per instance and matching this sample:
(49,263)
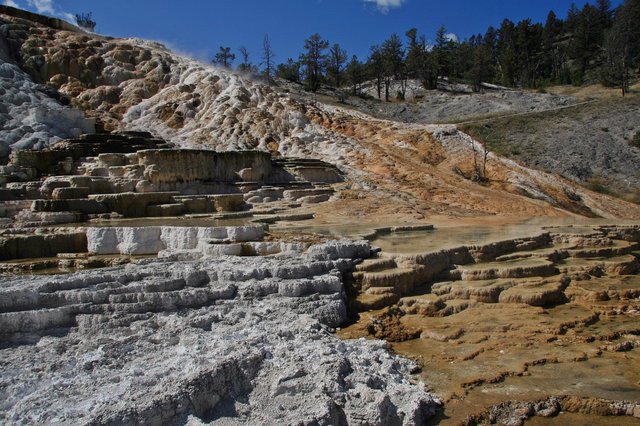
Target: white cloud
(47,7)
(385,5)
(10,3)
(42,6)
(452,38)
(70,17)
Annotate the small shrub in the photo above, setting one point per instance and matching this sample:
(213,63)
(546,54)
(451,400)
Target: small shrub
(597,184)
(635,141)
(341,96)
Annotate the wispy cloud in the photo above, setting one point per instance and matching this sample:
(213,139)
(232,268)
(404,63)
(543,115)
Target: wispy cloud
(42,6)
(45,7)
(385,5)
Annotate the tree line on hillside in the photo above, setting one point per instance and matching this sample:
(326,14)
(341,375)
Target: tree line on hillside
(597,43)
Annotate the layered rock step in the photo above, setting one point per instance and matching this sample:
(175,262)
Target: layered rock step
(546,270)
(33,304)
(519,268)
(136,175)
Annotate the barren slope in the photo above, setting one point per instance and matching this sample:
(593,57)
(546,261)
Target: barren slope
(591,143)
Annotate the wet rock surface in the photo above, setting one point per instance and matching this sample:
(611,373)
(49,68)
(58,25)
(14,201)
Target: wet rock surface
(521,320)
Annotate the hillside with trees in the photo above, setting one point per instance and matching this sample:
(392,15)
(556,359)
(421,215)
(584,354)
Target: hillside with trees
(595,44)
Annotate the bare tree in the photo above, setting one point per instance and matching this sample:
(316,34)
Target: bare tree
(480,157)
(246,66)
(267,57)
(245,55)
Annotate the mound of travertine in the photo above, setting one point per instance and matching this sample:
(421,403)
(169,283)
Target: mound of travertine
(239,340)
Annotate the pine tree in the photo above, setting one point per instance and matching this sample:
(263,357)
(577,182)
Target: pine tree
(224,57)
(314,61)
(418,63)
(393,60)
(355,74)
(507,53)
(85,21)
(555,56)
(336,59)
(622,46)
(289,71)
(442,53)
(375,67)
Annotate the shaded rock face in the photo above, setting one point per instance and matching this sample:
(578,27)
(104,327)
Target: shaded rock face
(236,340)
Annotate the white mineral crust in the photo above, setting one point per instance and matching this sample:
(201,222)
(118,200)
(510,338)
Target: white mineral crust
(236,340)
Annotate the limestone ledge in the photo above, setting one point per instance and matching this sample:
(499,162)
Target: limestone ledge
(153,239)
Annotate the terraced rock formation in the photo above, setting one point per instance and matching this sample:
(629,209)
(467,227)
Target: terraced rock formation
(222,325)
(242,339)
(554,316)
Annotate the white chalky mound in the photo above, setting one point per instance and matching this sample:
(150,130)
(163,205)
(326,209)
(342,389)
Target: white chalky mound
(237,340)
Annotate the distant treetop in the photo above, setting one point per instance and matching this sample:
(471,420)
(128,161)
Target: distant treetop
(84,21)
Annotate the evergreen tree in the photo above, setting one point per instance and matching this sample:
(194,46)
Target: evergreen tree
(529,57)
(622,46)
(289,71)
(418,63)
(85,21)
(393,62)
(442,53)
(375,67)
(481,69)
(507,59)
(335,60)
(224,57)
(554,59)
(355,74)
(314,61)
(572,18)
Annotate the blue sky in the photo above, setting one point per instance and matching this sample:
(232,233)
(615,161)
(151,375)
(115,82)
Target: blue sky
(199,27)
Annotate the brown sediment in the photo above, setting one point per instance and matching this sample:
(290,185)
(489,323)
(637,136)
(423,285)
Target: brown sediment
(532,335)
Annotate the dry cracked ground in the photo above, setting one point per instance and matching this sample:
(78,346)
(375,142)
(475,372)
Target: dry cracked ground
(541,328)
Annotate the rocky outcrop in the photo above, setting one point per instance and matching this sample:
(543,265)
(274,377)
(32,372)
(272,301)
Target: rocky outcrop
(557,309)
(45,243)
